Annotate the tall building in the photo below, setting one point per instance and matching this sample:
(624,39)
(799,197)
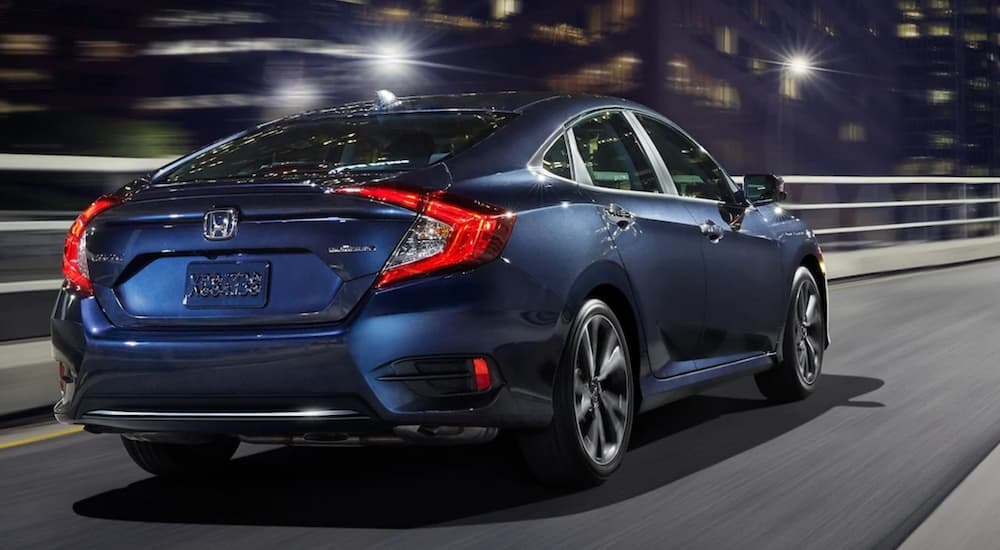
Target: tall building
(790,86)
(951,65)
(768,85)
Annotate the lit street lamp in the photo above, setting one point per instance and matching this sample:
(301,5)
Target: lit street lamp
(799,66)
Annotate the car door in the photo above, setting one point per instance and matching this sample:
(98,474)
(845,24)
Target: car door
(656,237)
(744,305)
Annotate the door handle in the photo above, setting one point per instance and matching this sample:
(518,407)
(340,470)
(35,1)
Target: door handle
(712,230)
(621,216)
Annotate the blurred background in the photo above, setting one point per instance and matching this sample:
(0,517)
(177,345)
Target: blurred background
(94,93)
(785,86)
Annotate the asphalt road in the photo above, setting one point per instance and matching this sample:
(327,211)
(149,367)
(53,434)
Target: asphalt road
(908,405)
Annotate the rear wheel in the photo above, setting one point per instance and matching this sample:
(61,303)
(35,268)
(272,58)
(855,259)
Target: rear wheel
(171,459)
(803,343)
(593,406)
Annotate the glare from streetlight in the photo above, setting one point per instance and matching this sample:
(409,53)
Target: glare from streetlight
(799,65)
(390,56)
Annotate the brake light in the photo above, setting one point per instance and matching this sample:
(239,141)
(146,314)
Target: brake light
(74,263)
(449,233)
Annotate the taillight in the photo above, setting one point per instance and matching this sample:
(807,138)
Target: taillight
(449,233)
(74,263)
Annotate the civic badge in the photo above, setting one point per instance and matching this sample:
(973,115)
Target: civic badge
(220,224)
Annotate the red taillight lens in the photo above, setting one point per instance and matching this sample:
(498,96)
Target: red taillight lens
(481,373)
(449,233)
(74,263)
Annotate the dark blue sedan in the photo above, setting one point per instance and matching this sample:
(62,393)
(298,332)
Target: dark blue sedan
(432,270)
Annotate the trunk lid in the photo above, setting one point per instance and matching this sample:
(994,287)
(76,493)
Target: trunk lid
(259,253)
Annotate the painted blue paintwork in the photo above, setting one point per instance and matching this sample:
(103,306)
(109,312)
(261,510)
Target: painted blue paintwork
(699,311)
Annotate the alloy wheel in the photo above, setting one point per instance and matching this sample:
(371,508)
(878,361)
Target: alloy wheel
(808,333)
(601,389)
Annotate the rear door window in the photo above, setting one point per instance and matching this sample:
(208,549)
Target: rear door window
(612,154)
(557,160)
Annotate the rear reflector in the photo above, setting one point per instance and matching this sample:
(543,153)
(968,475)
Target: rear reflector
(481,372)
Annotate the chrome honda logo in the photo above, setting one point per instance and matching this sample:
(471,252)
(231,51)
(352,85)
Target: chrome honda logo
(220,224)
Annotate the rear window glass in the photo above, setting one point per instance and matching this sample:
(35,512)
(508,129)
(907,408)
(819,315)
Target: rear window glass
(371,143)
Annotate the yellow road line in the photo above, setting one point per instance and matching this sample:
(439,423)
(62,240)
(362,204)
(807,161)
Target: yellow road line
(41,437)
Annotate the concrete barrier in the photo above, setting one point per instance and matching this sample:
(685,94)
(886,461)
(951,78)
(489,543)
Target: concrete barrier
(903,257)
(28,376)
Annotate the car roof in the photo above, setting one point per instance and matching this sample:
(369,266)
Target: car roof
(511,102)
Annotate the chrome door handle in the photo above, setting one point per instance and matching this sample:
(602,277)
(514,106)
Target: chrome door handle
(712,230)
(620,215)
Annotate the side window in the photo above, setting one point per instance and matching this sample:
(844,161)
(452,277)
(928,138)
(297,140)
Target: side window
(693,172)
(556,160)
(612,153)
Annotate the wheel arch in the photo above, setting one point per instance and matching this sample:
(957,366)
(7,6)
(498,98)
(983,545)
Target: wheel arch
(608,282)
(814,263)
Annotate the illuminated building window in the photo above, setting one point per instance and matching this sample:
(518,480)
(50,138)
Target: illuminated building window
(758,65)
(23,75)
(940,97)
(621,13)
(853,132)
(913,14)
(907,5)
(907,30)
(939,4)
(938,29)
(790,87)
(940,140)
(562,32)
(102,50)
(979,83)
(25,44)
(710,92)
(726,40)
(505,8)
(616,75)
(975,36)
(9,108)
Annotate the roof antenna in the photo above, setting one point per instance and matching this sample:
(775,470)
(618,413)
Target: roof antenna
(385,100)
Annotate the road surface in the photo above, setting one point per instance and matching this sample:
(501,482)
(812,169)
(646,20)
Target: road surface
(908,405)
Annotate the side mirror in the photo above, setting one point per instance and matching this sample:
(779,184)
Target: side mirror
(764,188)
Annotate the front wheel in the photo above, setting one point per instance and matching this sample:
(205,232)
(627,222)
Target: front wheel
(593,405)
(803,343)
(174,459)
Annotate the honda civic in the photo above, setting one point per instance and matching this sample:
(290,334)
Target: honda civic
(432,270)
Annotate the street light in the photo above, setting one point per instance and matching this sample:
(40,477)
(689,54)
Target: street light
(799,66)
(390,57)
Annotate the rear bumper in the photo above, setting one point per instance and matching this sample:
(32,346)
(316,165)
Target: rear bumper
(318,378)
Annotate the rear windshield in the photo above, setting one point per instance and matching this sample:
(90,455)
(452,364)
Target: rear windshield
(372,143)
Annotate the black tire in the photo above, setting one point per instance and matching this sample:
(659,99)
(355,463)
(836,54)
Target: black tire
(175,459)
(562,454)
(802,345)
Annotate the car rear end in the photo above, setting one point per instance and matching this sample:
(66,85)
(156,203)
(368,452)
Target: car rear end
(317,289)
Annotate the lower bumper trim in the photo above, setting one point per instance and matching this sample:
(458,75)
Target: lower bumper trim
(309,414)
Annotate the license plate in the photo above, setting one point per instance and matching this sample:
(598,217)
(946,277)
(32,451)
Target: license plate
(227,284)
